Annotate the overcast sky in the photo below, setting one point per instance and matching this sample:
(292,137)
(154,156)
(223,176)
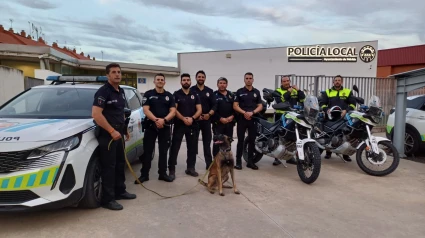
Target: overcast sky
(154,31)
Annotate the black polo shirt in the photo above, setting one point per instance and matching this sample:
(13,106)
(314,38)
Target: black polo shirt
(159,103)
(186,103)
(224,105)
(248,99)
(207,98)
(112,102)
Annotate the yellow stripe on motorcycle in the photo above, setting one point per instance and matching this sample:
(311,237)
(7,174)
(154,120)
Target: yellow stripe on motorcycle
(44,177)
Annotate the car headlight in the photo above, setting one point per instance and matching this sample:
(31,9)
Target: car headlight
(62,145)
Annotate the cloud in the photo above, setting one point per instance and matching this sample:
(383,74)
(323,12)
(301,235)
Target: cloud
(286,16)
(40,4)
(200,35)
(167,58)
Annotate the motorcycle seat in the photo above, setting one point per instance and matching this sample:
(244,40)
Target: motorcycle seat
(268,124)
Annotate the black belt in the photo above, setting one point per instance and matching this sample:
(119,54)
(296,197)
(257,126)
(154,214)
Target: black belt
(117,126)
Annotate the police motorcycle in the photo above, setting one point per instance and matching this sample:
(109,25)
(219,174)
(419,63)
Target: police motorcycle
(352,135)
(289,137)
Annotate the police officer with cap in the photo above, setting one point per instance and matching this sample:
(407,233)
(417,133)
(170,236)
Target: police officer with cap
(338,96)
(189,109)
(160,108)
(108,113)
(223,119)
(208,103)
(247,103)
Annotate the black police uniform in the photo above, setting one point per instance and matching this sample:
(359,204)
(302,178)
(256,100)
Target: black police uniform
(186,106)
(112,161)
(248,101)
(159,104)
(208,103)
(224,109)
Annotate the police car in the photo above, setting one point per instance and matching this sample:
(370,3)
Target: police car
(414,138)
(48,148)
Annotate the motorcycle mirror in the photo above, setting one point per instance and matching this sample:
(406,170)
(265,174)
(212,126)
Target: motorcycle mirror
(355,88)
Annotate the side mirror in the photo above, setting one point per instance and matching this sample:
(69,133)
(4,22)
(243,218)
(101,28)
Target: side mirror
(355,88)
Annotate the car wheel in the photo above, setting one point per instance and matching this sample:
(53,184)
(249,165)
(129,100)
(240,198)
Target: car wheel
(93,187)
(411,141)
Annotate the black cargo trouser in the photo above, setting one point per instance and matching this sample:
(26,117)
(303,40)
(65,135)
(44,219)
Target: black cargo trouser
(225,129)
(206,130)
(180,130)
(150,135)
(277,116)
(112,163)
(242,126)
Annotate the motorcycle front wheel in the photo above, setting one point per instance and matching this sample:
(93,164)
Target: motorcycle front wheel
(256,155)
(378,161)
(310,165)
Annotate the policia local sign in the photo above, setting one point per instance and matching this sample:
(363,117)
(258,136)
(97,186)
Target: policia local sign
(331,54)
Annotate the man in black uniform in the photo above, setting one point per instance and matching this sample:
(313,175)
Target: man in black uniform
(247,103)
(207,97)
(189,109)
(160,108)
(108,113)
(223,119)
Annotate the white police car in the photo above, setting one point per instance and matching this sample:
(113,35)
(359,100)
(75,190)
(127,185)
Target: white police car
(414,138)
(48,150)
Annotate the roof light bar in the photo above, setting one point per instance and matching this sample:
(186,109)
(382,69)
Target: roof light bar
(77,78)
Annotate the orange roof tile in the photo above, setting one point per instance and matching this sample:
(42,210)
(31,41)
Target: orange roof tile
(9,37)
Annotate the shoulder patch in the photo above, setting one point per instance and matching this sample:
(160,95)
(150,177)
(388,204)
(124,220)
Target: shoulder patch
(101,100)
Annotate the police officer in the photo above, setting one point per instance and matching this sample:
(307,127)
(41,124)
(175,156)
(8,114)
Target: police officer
(160,108)
(208,102)
(289,94)
(338,96)
(189,109)
(247,103)
(223,119)
(108,113)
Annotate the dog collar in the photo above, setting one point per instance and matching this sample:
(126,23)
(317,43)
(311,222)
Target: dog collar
(226,150)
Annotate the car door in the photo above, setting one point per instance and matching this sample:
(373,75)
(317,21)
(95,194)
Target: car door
(134,125)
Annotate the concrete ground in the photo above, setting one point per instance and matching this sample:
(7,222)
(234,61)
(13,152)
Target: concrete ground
(343,202)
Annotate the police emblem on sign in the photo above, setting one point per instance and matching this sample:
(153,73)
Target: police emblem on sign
(100,100)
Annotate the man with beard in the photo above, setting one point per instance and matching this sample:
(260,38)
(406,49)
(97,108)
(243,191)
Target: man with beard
(159,107)
(289,94)
(338,96)
(189,108)
(207,97)
(247,103)
(224,115)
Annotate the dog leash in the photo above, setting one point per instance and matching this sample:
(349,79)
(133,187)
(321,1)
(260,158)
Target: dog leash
(138,181)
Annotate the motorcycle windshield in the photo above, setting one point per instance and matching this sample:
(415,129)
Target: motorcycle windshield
(374,101)
(311,108)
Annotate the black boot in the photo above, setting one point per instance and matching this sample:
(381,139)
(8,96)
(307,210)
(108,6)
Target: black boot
(113,205)
(251,165)
(191,172)
(142,179)
(328,155)
(276,162)
(346,158)
(238,165)
(165,177)
(126,196)
(172,174)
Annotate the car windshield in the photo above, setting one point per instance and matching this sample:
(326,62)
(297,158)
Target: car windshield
(51,103)
(415,103)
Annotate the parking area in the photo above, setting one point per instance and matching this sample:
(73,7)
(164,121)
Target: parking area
(343,202)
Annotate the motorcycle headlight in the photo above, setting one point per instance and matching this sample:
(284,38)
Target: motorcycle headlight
(62,145)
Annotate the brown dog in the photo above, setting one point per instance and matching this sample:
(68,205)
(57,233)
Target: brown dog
(222,166)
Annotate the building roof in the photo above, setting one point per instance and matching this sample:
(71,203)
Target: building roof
(402,56)
(10,37)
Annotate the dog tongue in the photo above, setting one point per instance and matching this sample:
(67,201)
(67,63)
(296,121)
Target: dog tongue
(218,142)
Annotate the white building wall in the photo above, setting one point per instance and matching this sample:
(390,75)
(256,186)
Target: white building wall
(43,73)
(11,83)
(268,62)
(172,83)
